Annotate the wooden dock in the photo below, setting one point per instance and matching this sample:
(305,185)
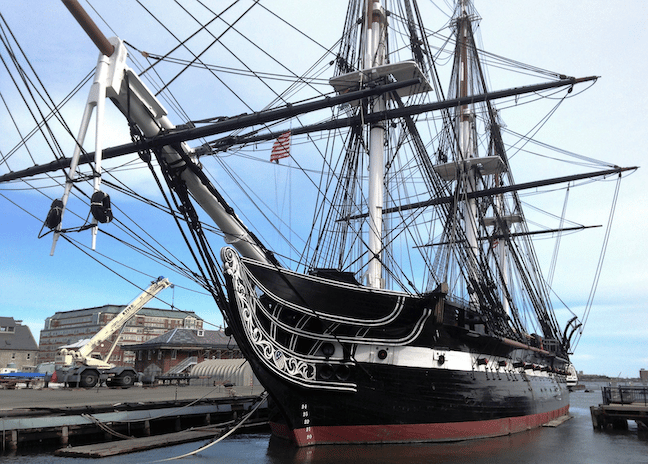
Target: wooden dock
(102,415)
(621,404)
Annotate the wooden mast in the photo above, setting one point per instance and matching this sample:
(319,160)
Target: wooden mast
(375,56)
(467,150)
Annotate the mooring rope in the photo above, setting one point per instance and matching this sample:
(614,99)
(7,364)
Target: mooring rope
(262,397)
(109,430)
(105,428)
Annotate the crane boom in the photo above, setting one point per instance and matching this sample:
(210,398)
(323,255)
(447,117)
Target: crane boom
(126,315)
(80,352)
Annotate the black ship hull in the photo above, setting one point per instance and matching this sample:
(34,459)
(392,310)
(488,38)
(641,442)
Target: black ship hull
(431,376)
(419,405)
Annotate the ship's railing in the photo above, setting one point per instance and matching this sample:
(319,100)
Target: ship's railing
(625,395)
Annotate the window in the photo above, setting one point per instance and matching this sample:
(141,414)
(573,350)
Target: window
(139,355)
(28,355)
(13,355)
(174,354)
(159,355)
(149,355)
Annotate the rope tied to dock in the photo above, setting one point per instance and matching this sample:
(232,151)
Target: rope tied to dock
(262,397)
(105,428)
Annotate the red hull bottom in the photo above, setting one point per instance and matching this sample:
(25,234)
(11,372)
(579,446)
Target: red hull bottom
(408,433)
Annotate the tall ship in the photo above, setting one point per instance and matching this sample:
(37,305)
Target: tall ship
(412,307)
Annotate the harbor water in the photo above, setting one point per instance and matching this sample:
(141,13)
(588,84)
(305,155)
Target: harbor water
(575,441)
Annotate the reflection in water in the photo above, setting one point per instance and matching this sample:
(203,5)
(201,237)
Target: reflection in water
(502,450)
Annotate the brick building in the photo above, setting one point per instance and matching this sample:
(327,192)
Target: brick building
(17,345)
(68,327)
(179,349)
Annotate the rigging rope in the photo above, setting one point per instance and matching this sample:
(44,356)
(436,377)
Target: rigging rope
(41,121)
(197,57)
(554,257)
(599,266)
(153,252)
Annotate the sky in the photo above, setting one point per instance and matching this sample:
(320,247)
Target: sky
(606,122)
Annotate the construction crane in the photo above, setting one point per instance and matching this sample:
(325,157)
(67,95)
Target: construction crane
(74,364)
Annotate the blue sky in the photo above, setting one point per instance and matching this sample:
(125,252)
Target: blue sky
(606,122)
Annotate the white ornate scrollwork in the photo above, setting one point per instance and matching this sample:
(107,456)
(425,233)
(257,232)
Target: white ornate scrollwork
(274,356)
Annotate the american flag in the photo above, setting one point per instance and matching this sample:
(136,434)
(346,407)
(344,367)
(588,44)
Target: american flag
(281,147)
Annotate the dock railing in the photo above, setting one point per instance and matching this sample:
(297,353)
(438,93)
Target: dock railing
(625,395)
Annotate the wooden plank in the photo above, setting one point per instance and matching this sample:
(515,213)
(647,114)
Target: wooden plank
(558,421)
(115,448)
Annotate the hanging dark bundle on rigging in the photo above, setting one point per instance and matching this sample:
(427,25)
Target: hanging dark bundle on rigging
(100,207)
(53,219)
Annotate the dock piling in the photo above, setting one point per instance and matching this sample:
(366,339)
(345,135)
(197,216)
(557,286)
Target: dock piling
(65,435)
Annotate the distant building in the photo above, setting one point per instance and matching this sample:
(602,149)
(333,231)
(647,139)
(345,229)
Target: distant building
(17,345)
(67,327)
(179,349)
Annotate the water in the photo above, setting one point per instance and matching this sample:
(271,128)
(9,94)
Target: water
(573,442)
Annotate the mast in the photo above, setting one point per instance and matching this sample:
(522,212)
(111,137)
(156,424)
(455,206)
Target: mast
(467,148)
(375,56)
